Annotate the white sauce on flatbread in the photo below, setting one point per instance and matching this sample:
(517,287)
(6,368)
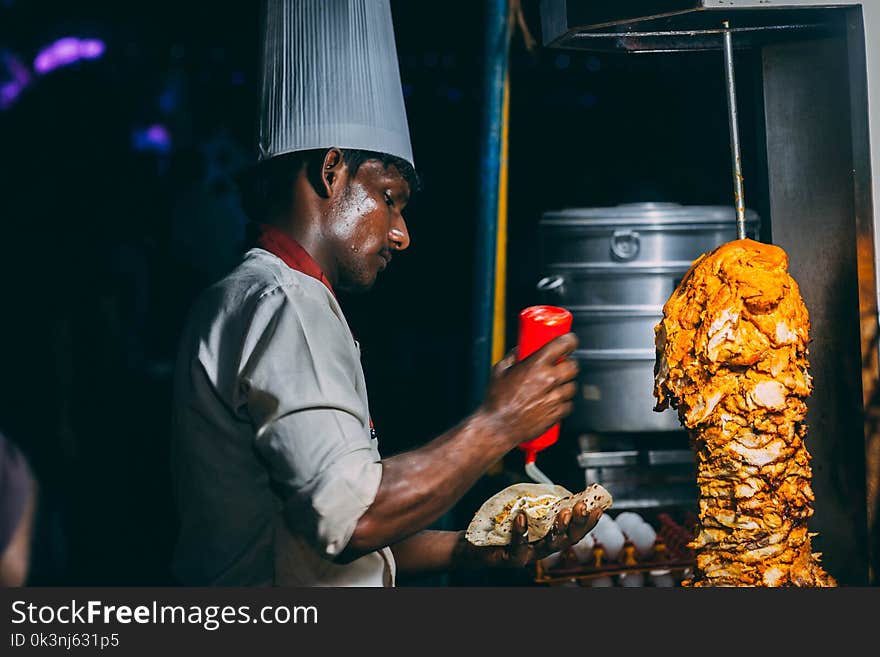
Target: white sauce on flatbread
(536,507)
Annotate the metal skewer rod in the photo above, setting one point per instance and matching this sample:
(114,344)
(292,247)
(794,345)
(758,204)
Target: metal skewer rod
(734,134)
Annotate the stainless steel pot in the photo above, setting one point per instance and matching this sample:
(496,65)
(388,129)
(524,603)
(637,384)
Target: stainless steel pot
(616,327)
(643,233)
(581,286)
(614,268)
(616,393)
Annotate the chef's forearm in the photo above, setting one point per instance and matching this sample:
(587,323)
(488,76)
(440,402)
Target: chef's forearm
(429,551)
(419,486)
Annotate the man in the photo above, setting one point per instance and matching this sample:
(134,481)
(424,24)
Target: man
(17,509)
(278,475)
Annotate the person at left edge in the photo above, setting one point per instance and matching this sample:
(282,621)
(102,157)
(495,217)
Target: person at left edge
(18,502)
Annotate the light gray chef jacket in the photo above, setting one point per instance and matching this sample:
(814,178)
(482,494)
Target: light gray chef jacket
(272,458)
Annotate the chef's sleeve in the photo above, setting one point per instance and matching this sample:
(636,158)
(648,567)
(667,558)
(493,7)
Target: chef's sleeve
(299,386)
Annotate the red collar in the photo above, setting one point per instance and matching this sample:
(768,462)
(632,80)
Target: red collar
(278,243)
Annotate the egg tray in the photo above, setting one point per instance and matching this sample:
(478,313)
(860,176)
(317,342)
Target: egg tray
(566,573)
(671,553)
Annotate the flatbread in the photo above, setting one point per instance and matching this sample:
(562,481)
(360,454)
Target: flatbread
(493,522)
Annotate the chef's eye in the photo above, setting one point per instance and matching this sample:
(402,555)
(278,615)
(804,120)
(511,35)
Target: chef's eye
(389,201)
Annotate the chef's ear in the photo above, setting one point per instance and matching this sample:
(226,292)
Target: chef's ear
(331,167)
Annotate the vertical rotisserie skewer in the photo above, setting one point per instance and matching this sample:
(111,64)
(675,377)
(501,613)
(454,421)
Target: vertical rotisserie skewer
(733,122)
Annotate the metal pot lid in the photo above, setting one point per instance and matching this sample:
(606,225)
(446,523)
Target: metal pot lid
(615,354)
(646,214)
(579,269)
(625,311)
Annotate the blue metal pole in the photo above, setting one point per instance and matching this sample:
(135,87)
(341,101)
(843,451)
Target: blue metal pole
(496,49)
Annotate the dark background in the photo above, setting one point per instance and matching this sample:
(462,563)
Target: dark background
(106,236)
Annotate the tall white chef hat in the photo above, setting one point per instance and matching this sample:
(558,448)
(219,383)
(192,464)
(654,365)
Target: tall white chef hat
(330,78)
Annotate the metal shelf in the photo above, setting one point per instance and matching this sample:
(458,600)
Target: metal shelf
(681,25)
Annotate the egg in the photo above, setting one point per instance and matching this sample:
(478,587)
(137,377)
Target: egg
(584,548)
(661,578)
(631,579)
(638,531)
(643,537)
(627,521)
(601,582)
(609,535)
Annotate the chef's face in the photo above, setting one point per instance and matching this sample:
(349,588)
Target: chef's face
(367,225)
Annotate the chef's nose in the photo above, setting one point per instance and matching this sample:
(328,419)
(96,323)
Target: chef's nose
(398,235)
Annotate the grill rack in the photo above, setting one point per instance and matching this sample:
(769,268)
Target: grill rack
(671,554)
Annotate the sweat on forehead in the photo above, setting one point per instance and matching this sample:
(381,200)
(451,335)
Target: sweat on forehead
(267,186)
(354,158)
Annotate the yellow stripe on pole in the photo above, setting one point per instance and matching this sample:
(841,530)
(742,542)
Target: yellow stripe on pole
(500,310)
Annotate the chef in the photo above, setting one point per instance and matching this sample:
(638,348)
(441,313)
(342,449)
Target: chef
(278,475)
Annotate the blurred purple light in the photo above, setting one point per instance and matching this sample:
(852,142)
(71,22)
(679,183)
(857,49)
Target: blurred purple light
(91,48)
(44,62)
(9,92)
(158,134)
(66,48)
(66,51)
(154,138)
(20,73)
(14,79)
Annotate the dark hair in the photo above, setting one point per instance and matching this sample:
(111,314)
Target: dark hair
(266,188)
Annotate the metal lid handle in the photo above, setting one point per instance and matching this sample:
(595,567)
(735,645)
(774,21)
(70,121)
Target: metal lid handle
(625,245)
(554,284)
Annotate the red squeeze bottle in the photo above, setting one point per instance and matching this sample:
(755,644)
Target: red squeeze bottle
(538,325)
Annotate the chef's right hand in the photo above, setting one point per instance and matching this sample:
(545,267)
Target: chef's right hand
(526,398)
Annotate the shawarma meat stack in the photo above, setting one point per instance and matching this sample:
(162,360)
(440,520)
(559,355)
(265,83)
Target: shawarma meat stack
(732,358)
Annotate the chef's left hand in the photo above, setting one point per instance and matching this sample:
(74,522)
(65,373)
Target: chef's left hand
(569,527)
